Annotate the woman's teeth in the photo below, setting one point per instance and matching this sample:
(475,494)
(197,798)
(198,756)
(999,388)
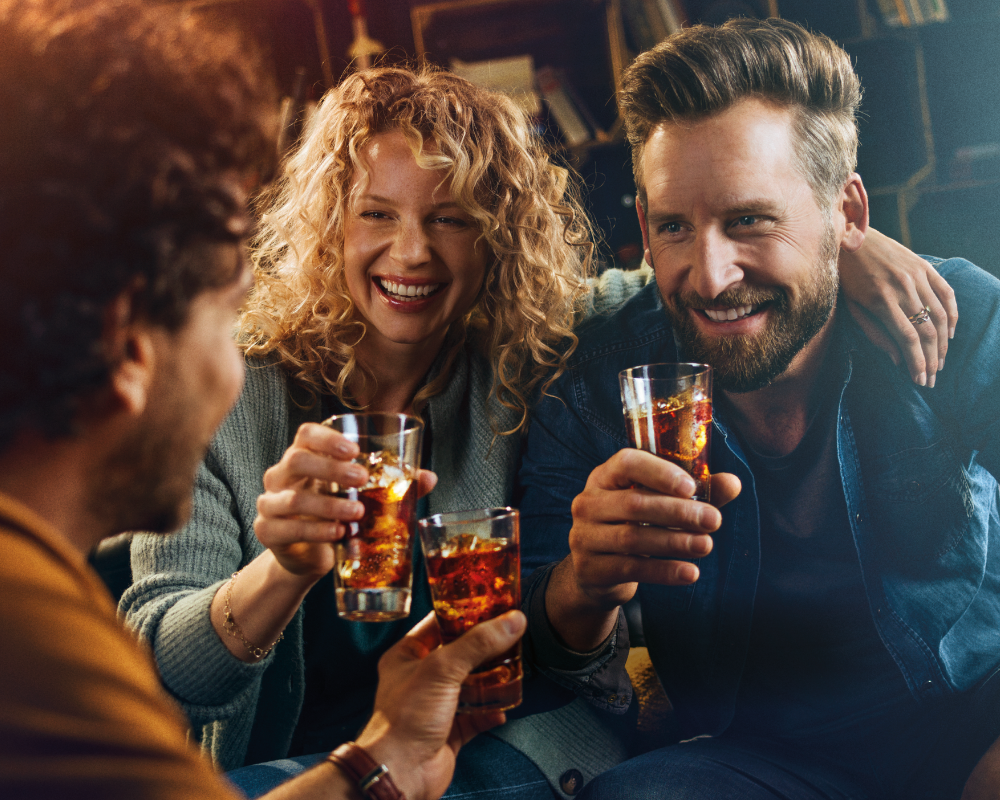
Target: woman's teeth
(403,292)
(729,314)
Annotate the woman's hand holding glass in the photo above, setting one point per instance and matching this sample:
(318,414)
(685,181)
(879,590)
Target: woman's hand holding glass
(298,525)
(295,520)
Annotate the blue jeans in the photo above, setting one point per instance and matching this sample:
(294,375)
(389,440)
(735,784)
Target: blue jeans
(927,757)
(487,769)
(723,769)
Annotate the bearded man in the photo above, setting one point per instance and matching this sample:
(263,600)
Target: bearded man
(831,632)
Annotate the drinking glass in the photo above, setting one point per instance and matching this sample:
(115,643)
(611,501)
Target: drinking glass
(668,412)
(474,570)
(373,574)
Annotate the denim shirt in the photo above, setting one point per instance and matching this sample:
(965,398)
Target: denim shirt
(917,467)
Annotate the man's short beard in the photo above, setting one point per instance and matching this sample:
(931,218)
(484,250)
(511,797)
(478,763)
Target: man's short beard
(748,363)
(140,488)
(146,483)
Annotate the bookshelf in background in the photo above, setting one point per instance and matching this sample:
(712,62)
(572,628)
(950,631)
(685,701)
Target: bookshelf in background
(566,41)
(569,55)
(904,13)
(930,130)
(715,12)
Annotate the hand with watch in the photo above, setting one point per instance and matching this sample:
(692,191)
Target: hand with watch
(407,750)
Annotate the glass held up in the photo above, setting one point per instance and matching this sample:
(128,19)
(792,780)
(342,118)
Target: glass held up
(668,412)
(373,574)
(474,569)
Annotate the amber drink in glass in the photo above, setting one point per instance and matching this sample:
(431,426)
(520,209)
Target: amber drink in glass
(373,574)
(668,411)
(474,569)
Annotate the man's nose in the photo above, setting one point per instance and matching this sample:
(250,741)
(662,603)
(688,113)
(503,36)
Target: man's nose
(714,265)
(411,245)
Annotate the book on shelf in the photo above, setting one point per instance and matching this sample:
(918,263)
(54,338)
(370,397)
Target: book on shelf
(935,10)
(654,20)
(904,13)
(672,12)
(640,36)
(649,22)
(979,162)
(565,108)
(514,77)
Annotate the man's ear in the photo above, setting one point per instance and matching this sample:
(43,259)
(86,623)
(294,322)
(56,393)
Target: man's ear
(644,227)
(853,204)
(133,356)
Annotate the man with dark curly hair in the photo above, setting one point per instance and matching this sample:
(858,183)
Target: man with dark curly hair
(129,135)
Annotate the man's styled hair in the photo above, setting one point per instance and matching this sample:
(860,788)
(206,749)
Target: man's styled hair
(703,70)
(498,171)
(128,135)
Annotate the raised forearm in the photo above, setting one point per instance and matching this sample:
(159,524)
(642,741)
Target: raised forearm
(261,601)
(581,623)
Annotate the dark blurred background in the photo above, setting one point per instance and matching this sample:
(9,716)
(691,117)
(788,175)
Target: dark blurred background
(930,135)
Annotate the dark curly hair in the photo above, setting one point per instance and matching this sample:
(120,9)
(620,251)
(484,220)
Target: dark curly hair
(128,136)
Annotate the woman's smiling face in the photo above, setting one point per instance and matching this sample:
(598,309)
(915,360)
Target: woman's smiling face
(412,259)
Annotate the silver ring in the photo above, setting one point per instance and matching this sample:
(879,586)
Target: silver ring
(922,316)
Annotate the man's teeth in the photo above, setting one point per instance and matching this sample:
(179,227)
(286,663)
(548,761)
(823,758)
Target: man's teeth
(402,290)
(729,314)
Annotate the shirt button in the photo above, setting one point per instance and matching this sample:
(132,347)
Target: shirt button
(571,781)
(613,698)
(858,519)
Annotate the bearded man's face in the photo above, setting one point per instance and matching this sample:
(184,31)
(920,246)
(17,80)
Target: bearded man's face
(745,258)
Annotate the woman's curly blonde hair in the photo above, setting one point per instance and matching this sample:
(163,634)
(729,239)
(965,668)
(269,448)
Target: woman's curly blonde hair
(541,241)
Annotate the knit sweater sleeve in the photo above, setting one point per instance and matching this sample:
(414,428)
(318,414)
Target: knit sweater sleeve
(176,577)
(613,287)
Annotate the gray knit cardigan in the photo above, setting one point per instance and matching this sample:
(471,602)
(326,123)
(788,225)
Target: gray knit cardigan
(176,577)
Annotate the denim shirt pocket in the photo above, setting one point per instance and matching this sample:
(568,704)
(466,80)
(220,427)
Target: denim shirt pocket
(926,498)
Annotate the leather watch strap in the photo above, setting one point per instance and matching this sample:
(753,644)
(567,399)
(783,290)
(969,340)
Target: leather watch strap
(372,778)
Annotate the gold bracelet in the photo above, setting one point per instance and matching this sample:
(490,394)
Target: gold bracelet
(236,632)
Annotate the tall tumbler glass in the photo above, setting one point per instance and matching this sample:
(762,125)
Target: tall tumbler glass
(668,411)
(474,570)
(373,575)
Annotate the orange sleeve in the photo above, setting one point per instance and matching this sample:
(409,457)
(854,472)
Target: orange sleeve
(82,713)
